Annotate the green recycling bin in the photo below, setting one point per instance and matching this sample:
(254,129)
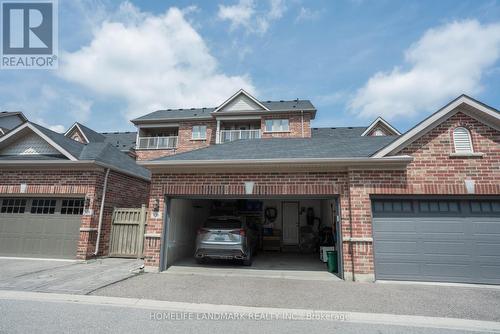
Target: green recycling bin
(332,261)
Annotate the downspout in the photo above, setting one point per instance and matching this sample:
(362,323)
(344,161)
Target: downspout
(302,122)
(101,211)
(351,246)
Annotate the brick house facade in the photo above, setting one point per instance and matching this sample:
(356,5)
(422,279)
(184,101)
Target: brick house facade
(430,168)
(229,116)
(71,177)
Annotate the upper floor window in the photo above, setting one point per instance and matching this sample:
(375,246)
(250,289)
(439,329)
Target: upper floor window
(199,132)
(277,125)
(462,140)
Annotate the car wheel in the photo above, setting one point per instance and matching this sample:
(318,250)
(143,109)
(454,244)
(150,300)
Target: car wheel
(200,260)
(248,260)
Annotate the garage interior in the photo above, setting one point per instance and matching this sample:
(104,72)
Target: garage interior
(293,233)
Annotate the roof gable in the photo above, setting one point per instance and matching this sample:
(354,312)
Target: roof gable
(465,104)
(79,131)
(383,125)
(30,139)
(29,144)
(241,101)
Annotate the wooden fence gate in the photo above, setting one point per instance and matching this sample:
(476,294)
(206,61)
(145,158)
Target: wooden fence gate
(127,232)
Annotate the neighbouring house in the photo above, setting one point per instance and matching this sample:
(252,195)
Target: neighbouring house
(57,195)
(9,120)
(423,205)
(123,141)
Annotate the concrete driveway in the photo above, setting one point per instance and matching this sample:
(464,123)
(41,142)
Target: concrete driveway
(73,277)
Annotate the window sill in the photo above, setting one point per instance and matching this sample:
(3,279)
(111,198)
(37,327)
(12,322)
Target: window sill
(466,155)
(198,139)
(156,149)
(271,132)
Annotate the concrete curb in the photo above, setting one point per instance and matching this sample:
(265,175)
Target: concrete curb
(297,314)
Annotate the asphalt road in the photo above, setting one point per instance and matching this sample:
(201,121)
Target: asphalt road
(412,299)
(26,316)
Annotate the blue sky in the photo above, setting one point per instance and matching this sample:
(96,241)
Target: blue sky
(354,59)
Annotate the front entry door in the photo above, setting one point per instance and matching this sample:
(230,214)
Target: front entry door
(290,223)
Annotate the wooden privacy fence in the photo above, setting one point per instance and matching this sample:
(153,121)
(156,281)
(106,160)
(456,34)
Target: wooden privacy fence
(127,232)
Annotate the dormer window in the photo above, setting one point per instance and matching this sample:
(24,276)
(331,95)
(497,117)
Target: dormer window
(277,125)
(378,133)
(462,140)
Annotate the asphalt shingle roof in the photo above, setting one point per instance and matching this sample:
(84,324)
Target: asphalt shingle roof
(91,135)
(205,112)
(102,152)
(288,148)
(338,132)
(124,141)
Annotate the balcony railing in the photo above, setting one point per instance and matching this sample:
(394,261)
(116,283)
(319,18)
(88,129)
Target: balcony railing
(232,135)
(151,143)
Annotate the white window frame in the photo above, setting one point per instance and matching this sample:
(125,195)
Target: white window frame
(197,133)
(466,132)
(278,125)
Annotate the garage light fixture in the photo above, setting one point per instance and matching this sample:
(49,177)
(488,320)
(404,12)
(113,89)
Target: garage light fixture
(470,186)
(249,187)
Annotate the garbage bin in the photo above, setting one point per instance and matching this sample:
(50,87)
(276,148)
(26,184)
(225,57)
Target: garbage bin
(332,261)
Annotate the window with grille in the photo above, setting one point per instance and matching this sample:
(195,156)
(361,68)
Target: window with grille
(199,132)
(462,140)
(277,125)
(72,206)
(43,206)
(13,205)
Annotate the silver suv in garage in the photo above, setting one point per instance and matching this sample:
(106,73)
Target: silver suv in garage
(226,237)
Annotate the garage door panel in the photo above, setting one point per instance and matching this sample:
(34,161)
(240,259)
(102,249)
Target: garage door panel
(397,247)
(445,269)
(448,242)
(444,248)
(401,269)
(39,235)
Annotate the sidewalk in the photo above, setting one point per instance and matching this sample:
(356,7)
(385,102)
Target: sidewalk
(405,299)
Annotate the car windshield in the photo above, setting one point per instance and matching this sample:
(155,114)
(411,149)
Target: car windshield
(222,223)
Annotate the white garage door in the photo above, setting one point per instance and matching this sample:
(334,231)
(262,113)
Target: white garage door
(445,240)
(40,227)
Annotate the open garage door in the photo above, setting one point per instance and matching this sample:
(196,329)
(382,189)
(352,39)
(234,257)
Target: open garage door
(288,232)
(40,227)
(438,239)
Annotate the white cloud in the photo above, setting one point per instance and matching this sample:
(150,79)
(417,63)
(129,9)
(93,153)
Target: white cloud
(240,14)
(307,14)
(445,62)
(245,14)
(151,62)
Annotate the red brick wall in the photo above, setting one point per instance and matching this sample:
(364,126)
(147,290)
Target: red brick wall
(185,141)
(296,125)
(123,191)
(153,154)
(437,171)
